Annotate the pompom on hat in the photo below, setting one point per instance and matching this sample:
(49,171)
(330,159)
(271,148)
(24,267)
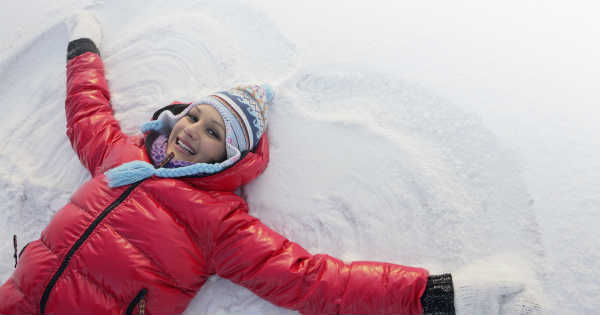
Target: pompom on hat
(244,112)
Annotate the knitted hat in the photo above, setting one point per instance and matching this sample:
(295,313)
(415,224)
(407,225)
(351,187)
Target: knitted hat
(244,112)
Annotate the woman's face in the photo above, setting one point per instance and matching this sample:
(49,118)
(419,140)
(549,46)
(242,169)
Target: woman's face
(199,136)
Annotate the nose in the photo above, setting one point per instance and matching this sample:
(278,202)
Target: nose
(189,131)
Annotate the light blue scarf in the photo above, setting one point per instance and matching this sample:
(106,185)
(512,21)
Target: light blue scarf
(135,171)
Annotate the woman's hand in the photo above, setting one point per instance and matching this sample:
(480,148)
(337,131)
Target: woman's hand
(84,24)
(495,287)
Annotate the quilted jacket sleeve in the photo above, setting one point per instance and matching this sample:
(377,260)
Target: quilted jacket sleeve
(91,126)
(250,254)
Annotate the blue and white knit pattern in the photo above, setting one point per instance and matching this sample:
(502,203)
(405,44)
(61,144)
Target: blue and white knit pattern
(135,171)
(249,103)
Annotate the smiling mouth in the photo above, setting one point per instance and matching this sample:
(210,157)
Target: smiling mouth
(184,146)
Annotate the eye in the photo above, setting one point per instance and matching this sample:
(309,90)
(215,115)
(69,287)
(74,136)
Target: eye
(192,118)
(212,133)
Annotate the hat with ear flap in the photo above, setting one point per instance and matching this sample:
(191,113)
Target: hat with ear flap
(244,112)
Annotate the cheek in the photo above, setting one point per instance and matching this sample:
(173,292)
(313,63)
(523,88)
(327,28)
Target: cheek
(216,150)
(176,131)
(170,139)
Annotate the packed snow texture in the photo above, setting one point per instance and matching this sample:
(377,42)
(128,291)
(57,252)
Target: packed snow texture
(368,162)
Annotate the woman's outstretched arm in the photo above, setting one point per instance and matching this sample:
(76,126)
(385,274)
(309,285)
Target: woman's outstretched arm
(251,254)
(91,126)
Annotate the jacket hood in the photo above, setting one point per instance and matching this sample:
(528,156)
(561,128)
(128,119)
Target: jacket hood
(247,168)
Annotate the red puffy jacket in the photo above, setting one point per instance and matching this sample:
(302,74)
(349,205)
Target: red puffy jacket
(150,246)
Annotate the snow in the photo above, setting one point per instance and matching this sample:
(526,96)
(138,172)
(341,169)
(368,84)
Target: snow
(420,134)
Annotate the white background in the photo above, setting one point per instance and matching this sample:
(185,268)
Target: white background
(393,83)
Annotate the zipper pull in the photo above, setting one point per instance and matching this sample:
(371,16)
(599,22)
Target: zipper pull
(166,160)
(140,301)
(142,306)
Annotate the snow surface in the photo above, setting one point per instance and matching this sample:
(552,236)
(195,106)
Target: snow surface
(417,133)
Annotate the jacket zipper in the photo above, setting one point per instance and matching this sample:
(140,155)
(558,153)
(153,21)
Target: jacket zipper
(142,307)
(140,301)
(80,241)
